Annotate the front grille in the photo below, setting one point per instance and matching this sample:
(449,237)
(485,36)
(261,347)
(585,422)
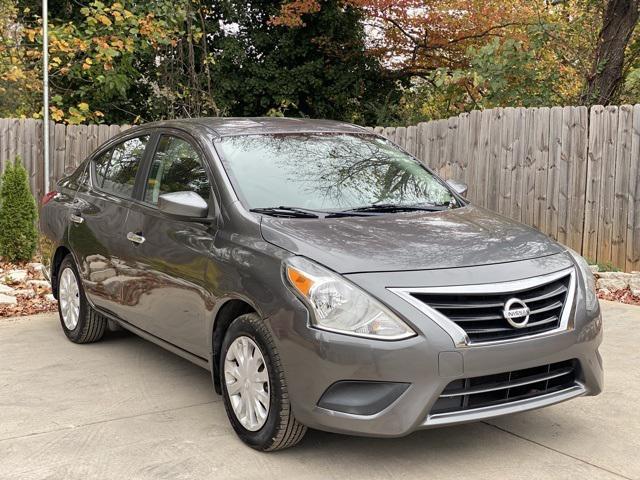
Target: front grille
(507,387)
(480,315)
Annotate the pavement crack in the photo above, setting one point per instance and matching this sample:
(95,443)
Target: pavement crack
(599,467)
(106,420)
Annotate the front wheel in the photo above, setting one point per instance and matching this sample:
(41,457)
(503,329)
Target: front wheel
(81,324)
(254,388)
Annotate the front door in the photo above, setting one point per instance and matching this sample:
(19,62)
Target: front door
(172,254)
(98,216)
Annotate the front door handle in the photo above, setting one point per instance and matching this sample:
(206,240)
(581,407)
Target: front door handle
(135,238)
(76,218)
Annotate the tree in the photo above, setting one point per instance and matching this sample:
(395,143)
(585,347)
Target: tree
(125,61)
(319,69)
(607,72)
(414,37)
(18,215)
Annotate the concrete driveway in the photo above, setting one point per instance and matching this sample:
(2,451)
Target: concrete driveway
(124,408)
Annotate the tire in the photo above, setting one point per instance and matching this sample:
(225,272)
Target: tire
(280,430)
(90,325)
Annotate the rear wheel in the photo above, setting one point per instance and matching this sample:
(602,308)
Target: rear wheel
(80,323)
(254,388)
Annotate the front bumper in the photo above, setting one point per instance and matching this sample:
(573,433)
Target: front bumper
(314,360)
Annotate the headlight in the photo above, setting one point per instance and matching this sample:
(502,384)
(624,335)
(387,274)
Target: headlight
(588,278)
(339,306)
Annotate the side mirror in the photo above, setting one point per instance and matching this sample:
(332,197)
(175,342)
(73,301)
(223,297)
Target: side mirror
(459,187)
(185,204)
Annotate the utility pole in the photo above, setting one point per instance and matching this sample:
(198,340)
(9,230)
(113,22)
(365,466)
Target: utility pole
(45,88)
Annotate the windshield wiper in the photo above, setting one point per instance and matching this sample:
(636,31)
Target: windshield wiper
(299,212)
(286,212)
(394,207)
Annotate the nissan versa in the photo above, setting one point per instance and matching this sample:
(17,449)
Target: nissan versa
(324,276)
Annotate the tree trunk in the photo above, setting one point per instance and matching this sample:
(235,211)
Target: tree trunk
(605,78)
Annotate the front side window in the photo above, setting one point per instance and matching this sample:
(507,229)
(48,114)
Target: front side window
(115,170)
(328,172)
(176,167)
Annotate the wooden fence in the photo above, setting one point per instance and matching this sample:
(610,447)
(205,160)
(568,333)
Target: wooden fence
(69,145)
(571,172)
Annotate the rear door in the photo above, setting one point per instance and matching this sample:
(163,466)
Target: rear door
(173,254)
(97,220)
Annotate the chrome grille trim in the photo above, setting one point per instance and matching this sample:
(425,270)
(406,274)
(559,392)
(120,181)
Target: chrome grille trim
(459,335)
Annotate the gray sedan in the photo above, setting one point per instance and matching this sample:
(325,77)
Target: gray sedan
(324,276)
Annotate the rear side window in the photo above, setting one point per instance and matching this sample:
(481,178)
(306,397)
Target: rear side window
(115,170)
(176,167)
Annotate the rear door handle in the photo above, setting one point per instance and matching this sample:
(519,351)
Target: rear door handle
(76,218)
(135,238)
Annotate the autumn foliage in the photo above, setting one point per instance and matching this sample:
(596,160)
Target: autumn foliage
(417,36)
(365,61)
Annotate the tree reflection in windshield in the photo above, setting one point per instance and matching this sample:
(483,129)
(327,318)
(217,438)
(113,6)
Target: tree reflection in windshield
(327,171)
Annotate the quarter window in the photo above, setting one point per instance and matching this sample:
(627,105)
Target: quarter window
(176,167)
(115,170)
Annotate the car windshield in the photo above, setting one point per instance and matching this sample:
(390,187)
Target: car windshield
(327,172)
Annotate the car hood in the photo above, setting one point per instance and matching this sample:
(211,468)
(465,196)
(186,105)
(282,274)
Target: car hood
(462,237)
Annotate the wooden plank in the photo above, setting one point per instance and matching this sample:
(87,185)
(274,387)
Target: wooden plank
(492,193)
(441,146)
(541,164)
(605,227)
(390,133)
(401,136)
(74,148)
(577,188)
(505,158)
(529,162)
(555,148)
(411,140)
(482,159)
(103,134)
(32,161)
(593,183)
(37,157)
(473,147)
(13,140)
(21,143)
(421,140)
(517,161)
(633,214)
(92,139)
(430,149)
(59,152)
(4,143)
(450,141)
(84,150)
(564,176)
(461,164)
(621,186)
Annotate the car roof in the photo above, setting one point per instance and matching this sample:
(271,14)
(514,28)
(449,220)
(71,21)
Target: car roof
(230,126)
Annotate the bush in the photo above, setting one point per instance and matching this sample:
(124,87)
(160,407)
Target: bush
(18,215)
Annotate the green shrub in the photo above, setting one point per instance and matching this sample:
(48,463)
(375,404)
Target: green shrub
(18,215)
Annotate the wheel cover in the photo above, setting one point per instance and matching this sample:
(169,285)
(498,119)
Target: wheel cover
(247,383)
(69,298)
